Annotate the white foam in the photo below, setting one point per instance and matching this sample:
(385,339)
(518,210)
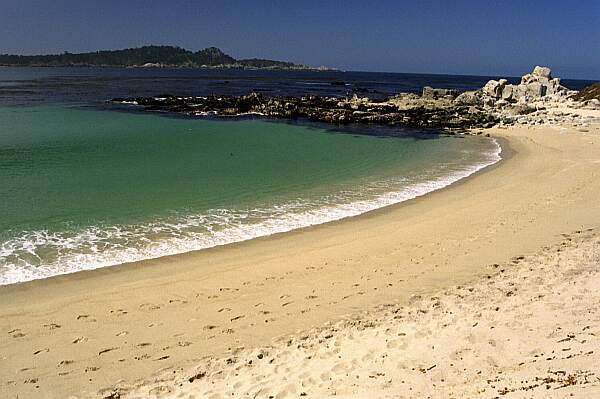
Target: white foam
(98,247)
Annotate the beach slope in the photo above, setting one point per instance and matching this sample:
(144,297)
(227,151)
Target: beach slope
(112,330)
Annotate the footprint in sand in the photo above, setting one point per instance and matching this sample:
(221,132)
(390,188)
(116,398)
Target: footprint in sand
(16,333)
(121,334)
(149,306)
(79,340)
(103,351)
(181,301)
(52,326)
(41,351)
(86,317)
(160,390)
(224,309)
(119,312)
(64,363)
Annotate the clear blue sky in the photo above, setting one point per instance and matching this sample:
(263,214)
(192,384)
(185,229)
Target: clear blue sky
(484,37)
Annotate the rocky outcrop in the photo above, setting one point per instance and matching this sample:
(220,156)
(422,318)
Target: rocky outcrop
(473,97)
(431,93)
(497,102)
(533,86)
(408,111)
(589,93)
(538,99)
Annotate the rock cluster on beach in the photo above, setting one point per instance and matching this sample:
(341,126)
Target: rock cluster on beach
(539,99)
(497,102)
(533,86)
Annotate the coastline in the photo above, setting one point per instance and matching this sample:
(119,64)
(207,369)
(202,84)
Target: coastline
(302,278)
(295,220)
(505,153)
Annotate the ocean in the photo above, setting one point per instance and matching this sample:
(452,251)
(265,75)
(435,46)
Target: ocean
(84,186)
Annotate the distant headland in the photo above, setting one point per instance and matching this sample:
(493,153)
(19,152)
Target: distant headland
(151,57)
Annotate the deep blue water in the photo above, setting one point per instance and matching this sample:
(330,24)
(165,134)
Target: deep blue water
(22,86)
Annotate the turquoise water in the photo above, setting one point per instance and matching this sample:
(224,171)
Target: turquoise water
(82,189)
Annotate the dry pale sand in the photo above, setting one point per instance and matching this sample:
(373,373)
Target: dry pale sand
(116,329)
(531,329)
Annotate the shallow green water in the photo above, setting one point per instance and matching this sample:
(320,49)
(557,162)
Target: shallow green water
(84,188)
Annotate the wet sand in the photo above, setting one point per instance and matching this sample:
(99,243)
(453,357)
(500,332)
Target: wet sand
(114,329)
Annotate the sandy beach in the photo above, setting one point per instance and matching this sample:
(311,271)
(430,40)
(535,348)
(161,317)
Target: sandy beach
(514,237)
(528,330)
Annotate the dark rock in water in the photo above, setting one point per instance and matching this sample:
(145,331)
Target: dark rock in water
(404,111)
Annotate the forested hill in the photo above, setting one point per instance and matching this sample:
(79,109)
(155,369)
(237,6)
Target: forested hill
(147,56)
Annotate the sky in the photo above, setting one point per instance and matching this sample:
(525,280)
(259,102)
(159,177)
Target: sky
(478,37)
